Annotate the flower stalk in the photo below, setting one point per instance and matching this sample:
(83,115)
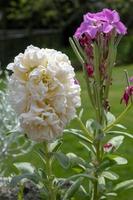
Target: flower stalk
(50,177)
(96,41)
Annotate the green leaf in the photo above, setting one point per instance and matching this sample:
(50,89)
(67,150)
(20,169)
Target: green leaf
(54,147)
(85,175)
(101,183)
(95,126)
(78,134)
(119,160)
(88,125)
(101,180)
(76,160)
(107,163)
(78,169)
(120,126)
(17,179)
(63,159)
(128,184)
(24,167)
(81,113)
(122,133)
(113,194)
(86,146)
(73,189)
(40,172)
(110,117)
(41,154)
(110,175)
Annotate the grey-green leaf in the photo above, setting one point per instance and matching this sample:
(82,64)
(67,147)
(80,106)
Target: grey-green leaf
(24,167)
(128,184)
(122,133)
(110,117)
(63,159)
(110,175)
(17,179)
(113,194)
(120,126)
(73,188)
(78,134)
(81,113)
(119,160)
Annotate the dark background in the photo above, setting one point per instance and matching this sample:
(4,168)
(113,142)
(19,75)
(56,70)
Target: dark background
(49,23)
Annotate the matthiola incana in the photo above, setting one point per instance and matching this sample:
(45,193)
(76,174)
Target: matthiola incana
(97,39)
(43,92)
(95,45)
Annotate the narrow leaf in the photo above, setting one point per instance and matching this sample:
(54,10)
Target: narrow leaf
(110,117)
(113,194)
(63,159)
(119,160)
(122,133)
(17,179)
(124,185)
(81,113)
(120,126)
(24,167)
(110,175)
(78,134)
(55,145)
(72,190)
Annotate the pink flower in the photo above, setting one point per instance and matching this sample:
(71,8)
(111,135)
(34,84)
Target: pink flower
(108,147)
(131,79)
(127,94)
(101,22)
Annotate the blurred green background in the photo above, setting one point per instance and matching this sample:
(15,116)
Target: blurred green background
(49,23)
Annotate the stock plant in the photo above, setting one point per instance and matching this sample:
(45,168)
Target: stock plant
(95,44)
(44,93)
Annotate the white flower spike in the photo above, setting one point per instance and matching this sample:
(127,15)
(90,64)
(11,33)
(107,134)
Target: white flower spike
(43,92)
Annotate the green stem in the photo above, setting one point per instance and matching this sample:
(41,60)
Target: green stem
(110,63)
(87,133)
(20,193)
(77,50)
(50,186)
(118,118)
(96,63)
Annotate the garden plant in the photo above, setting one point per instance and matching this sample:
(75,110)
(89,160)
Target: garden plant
(45,93)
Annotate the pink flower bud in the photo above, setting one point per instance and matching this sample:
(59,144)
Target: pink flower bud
(127,94)
(107,147)
(90,70)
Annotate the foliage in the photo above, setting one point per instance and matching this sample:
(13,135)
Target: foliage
(12,142)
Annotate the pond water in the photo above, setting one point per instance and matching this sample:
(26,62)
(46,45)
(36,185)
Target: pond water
(14,42)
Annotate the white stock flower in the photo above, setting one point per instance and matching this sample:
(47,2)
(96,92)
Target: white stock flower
(43,92)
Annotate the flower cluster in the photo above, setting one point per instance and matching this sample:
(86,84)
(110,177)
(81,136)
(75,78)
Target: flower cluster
(99,27)
(96,40)
(43,92)
(101,22)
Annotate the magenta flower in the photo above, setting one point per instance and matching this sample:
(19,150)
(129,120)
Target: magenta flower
(127,94)
(90,70)
(107,147)
(131,79)
(101,22)
(112,21)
